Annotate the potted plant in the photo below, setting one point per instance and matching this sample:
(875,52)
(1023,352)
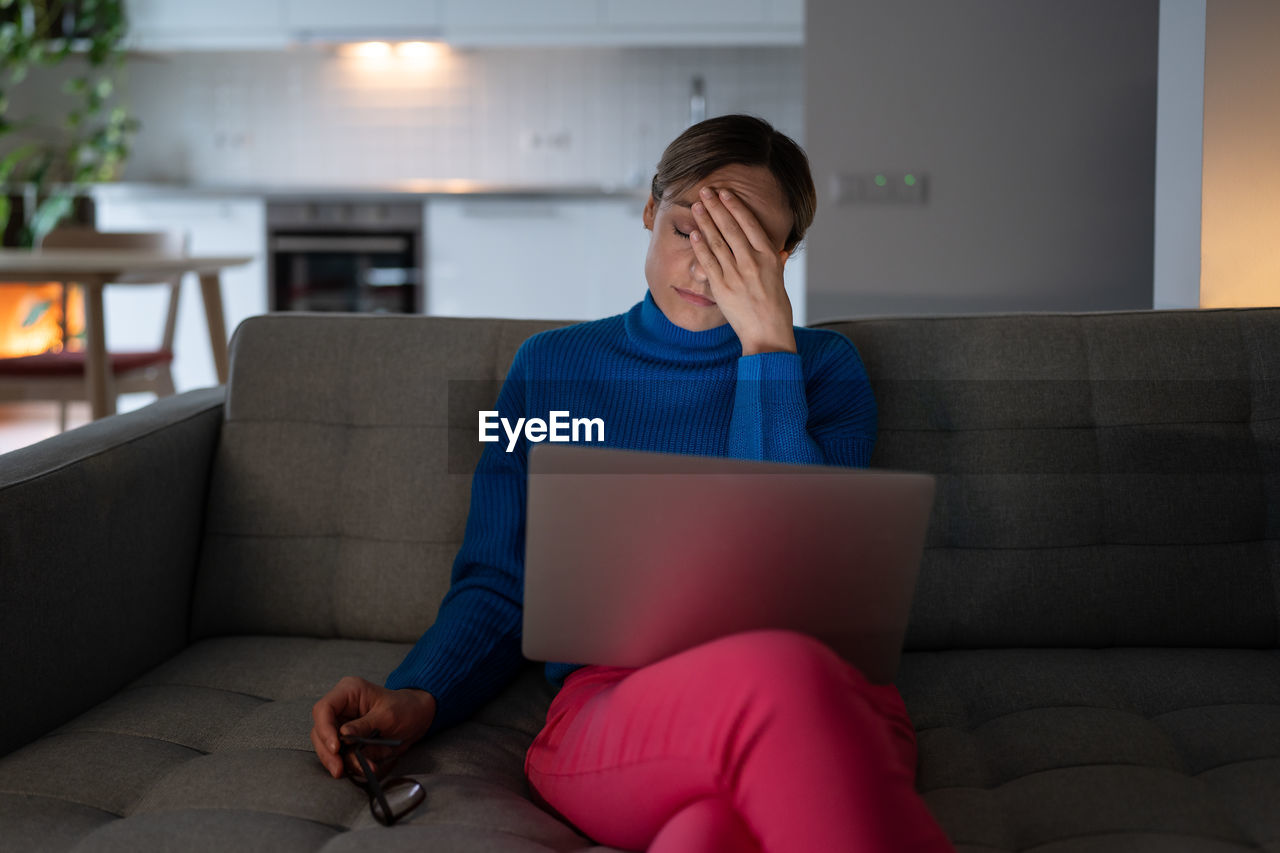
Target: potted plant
(45,168)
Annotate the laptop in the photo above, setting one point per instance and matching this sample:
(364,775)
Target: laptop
(633,556)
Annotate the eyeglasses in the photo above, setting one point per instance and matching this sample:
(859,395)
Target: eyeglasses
(389,799)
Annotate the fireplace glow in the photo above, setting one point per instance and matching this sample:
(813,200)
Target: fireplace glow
(31,319)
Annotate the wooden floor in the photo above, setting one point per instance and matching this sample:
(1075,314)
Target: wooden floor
(28,422)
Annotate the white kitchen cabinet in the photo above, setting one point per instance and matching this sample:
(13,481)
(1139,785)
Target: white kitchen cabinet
(707,22)
(545,258)
(513,15)
(383,18)
(620,23)
(216,226)
(225,25)
(277,24)
(536,258)
(673,14)
(785,12)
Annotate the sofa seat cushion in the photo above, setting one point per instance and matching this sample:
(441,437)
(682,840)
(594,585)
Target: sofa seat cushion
(211,750)
(1074,750)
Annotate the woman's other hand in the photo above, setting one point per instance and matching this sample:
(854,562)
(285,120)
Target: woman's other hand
(358,707)
(745,272)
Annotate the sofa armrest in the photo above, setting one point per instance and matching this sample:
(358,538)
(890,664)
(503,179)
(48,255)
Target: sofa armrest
(99,535)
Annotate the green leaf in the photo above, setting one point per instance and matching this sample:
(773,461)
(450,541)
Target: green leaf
(5,209)
(37,311)
(13,158)
(47,216)
(41,169)
(94,150)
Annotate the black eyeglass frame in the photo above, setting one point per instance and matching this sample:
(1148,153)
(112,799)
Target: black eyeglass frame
(376,787)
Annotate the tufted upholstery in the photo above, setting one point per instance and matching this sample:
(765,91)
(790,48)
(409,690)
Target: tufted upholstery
(1104,480)
(335,505)
(210,751)
(1119,749)
(1092,660)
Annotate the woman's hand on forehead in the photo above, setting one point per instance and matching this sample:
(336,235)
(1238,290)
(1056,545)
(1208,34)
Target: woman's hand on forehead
(744,271)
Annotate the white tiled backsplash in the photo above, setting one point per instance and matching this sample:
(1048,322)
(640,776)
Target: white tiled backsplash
(512,115)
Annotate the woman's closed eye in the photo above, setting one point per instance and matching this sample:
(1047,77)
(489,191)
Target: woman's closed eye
(679,233)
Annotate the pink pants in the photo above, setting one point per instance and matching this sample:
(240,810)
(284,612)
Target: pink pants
(761,741)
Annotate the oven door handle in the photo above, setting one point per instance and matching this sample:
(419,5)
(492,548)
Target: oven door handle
(380,245)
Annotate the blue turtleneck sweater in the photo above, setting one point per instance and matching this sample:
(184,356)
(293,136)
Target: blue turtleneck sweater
(658,387)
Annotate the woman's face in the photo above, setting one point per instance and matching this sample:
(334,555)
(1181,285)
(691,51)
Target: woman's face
(676,279)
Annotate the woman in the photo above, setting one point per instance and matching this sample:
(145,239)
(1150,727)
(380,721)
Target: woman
(764,740)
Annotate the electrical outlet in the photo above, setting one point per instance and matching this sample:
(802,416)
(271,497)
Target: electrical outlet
(534,140)
(530,140)
(879,188)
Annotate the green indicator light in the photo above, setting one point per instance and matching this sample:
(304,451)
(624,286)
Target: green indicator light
(909,180)
(881,180)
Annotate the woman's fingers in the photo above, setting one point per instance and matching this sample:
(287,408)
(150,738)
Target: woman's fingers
(354,768)
(708,260)
(324,717)
(349,698)
(329,759)
(344,701)
(746,221)
(714,218)
(709,246)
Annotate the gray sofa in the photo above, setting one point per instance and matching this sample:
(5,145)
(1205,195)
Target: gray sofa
(1092,659)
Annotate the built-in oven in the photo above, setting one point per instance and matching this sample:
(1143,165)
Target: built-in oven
(333,255)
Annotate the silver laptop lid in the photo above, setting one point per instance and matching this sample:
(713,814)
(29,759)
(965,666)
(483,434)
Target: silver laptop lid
(633,556)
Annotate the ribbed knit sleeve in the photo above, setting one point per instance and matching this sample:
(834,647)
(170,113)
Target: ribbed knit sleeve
(472,650)
(822,415)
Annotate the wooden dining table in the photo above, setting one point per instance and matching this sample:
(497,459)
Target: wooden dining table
(94,269)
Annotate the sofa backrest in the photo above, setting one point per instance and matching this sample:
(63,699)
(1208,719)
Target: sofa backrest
(1104,479)
(340,487)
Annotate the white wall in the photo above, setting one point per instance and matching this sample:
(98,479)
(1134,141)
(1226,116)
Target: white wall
(258,121)
(1035,121)
(1241,190)
(511,115)
(1179,153)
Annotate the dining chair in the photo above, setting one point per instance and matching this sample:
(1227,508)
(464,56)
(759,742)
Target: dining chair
(60,376)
